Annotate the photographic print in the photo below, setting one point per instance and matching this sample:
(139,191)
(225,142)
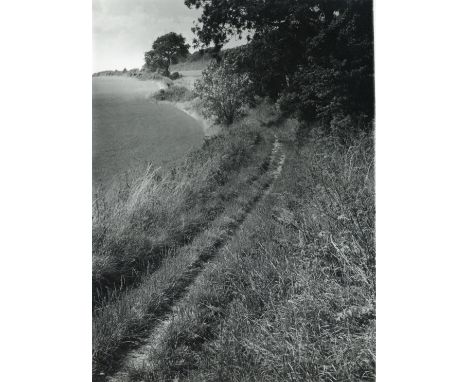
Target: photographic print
(233,233)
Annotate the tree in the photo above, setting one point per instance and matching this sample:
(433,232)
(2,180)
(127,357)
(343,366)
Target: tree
(315,56)
(167,50)
(225,93)
(222,19)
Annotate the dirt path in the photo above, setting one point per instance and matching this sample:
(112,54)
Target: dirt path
(139,356)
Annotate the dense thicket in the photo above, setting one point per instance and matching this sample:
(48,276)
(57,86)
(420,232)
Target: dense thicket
(315,57)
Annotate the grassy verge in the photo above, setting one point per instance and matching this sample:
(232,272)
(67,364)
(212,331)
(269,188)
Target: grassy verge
(292,297)
(234,181)
(138,223)
(174,94)
(127,320)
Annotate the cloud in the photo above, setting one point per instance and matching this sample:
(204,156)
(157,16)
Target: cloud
(124,29)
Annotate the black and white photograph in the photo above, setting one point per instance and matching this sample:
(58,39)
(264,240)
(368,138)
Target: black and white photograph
(233,190)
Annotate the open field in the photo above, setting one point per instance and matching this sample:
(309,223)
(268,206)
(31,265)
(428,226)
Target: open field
(130,130)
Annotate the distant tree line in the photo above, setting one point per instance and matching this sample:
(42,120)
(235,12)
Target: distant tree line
(315,58)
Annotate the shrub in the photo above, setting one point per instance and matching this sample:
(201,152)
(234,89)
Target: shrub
(174,94)
(225,93)
(174,76)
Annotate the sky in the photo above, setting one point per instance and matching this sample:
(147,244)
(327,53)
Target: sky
(123,30)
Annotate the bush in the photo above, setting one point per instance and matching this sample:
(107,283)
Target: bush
(174,76)
(174,94)
(225,93)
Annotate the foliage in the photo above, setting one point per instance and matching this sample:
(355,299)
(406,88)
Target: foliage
(225,93)
(201,54)
(338,76)
(175,76)
(174,94)
(167,50)
(221,19)
(315,56)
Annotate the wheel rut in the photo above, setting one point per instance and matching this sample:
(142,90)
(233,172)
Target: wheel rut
(138,357)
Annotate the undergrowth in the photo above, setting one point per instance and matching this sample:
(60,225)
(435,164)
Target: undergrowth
(130,318)
(137,222)
(174,94)
(292,297)
(206,198)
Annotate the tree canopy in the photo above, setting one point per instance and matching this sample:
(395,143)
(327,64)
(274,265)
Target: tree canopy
(314,56)
(167,50)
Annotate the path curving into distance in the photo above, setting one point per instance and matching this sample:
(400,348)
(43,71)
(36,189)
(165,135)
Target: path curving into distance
(137,357)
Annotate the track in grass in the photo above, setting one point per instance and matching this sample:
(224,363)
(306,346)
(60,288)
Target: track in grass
(137,357)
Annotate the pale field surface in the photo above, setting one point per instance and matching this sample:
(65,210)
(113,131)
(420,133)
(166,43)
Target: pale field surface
(130,130)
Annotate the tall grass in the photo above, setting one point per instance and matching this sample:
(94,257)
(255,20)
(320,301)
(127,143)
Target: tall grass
(136,222)
(228,172)
(131,317)
(293,296)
